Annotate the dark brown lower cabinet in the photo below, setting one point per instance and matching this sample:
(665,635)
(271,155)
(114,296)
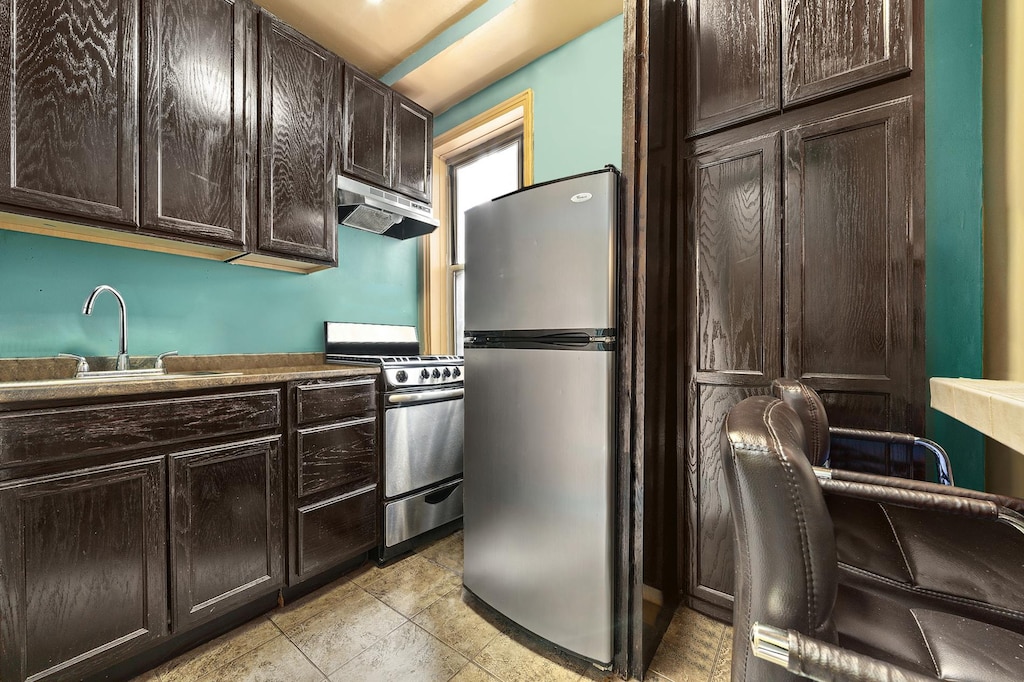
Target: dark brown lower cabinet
(83,569)
(227,532)
(334,530)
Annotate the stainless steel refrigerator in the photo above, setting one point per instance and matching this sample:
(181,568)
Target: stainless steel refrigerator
(540,408)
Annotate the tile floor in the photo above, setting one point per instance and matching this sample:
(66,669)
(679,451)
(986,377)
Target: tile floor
(412,621)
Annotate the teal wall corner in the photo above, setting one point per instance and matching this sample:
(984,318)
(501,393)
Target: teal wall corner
(954,301)
(577,100)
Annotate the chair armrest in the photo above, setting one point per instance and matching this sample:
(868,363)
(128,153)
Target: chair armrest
(943,467)
(816,660)
(1013,503)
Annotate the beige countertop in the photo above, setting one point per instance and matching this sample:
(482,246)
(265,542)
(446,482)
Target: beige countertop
(35,379)
(996,408)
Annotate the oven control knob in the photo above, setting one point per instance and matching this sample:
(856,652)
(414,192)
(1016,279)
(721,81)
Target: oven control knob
(401,376)
(425,374)
(456,372)
(446,373)
(436,374)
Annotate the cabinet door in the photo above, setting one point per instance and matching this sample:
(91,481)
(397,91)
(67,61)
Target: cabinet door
(849,327)
(68,97)
(368,124)
(413,148)
(197,118)
(226,527)
(298,123)
(83,570)
(836,45)
(734,61)
(734,345)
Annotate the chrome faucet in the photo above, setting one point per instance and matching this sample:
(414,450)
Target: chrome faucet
(122,348)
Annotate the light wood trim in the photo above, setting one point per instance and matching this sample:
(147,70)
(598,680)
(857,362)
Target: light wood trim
(257,260)
(436,303)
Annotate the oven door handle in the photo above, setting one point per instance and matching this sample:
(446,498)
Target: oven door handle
(424,396)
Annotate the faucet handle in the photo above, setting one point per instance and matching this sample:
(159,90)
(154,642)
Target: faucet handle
(83,364)
(160,358)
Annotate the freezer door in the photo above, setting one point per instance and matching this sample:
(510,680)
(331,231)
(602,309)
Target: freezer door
(538,491)
(543,258)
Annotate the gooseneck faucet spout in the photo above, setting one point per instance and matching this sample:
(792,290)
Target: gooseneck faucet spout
(122,348)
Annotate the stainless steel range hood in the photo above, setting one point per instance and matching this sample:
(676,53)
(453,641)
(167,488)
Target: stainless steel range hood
(366,207)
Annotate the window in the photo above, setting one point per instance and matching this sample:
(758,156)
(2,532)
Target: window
(483,174)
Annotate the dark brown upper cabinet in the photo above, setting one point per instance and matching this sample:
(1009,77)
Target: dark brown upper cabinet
(198,119)
(68,93)
(368,121)
(836,45)
(734,62)
(413,148)
(299,82)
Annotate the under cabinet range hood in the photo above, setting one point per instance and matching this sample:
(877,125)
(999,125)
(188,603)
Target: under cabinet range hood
(369,208)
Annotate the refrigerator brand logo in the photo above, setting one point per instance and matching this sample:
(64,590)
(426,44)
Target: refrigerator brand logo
(581,197)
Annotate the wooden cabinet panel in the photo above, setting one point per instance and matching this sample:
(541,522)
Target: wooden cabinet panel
(335,400)
(198,118)
(868,411)
(68,97)
(413,148)
(734,61)
(836,45)
(329,532)
(64,433)
(849,326)
(368,126)
(227,537)
(336,456)
(83,570)
(299,84)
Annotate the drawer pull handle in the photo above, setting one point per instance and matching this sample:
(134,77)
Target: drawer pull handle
(439,496)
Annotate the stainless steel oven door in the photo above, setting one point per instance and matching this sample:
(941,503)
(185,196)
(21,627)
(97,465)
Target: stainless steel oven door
(423,439)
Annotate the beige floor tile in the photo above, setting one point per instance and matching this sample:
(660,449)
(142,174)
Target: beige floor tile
(595,674)
(150,676)
(474,673)
(689,649)
(510,661)
(722,672)
(316,602)
(446,552)
(275,661)
(413,586)
(202,660)
(455,623)
(408,653)
(335,636)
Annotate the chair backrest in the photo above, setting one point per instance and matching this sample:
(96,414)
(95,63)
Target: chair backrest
(786,568)
(807,404)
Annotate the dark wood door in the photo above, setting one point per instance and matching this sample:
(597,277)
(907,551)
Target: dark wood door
(836,45)
(299,127)
(368,128)
(68,97)
(198,118)
(849,321)
(734,309)
(227,534)
(83,569)
(413,148)
(734,62)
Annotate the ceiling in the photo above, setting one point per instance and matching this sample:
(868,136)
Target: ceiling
(378,36)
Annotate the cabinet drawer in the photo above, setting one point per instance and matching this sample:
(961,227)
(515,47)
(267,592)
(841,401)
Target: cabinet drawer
(335,456)
(334,530)
(66,433)
(317,402)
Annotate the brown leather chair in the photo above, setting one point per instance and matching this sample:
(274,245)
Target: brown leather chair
(806,402)
(795,614)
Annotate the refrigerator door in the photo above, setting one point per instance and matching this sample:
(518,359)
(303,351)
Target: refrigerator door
(538,491)
(543,257)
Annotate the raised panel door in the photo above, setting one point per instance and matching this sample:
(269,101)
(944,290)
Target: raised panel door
(68,97)
(733,308)
(413,148)
(368,128)
(83,570)
(834,45)
(734,62)
(198,118)
(298,123)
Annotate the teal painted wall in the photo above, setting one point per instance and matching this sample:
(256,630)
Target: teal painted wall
(954,253)
(191,305)
(577,100)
